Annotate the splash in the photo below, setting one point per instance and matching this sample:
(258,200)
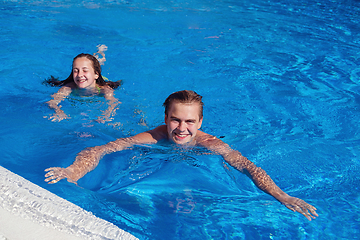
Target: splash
(101,52)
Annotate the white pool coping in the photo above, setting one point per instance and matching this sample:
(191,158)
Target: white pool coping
(28,211)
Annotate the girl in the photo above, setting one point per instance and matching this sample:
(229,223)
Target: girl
(86,80)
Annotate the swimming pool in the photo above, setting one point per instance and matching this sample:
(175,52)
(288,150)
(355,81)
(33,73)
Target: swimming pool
(280,81)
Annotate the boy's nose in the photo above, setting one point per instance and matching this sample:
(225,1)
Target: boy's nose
(182,126)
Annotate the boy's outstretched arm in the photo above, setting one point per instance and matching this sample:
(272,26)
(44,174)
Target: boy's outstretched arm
(260,178)
(88,159)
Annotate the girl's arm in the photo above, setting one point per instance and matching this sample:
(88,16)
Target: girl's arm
(112,102)
(54,103)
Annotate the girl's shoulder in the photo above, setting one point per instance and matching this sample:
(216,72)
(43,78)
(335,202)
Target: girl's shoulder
(106,90)
(71,85)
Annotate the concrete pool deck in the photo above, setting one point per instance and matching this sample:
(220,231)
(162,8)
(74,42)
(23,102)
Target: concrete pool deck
(28,211)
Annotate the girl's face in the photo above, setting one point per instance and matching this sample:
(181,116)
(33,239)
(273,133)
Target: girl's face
(84,73)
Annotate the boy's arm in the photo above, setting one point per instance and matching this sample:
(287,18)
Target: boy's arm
(260,178)
(88,159)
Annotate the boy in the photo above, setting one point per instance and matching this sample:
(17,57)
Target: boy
(183,119)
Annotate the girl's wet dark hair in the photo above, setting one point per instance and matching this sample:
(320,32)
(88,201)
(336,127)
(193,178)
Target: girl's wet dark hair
(52,81)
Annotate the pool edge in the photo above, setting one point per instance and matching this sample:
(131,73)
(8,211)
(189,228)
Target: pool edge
(44,213)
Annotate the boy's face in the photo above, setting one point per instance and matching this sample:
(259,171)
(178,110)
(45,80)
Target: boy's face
(183,121)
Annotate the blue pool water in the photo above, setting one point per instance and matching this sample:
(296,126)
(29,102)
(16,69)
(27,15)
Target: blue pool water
(280,81)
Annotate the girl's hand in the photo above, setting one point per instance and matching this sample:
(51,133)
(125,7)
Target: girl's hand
(58,116)
(103,119)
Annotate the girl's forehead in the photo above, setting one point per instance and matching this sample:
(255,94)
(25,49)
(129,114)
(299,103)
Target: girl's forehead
(83,61)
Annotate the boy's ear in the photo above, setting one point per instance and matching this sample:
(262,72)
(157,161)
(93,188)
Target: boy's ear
(165,118)
(200,122)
